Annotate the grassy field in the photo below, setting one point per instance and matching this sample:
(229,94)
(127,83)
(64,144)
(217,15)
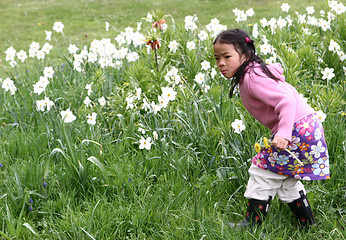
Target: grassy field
(24,21)
(94,180)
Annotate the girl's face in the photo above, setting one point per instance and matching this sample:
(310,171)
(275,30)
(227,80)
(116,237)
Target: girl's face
(228,60)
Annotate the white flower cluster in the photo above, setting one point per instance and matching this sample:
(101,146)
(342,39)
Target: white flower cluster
(241,15)
(44,103)
(40,86)
(105,53)
(8,85)
(335,48)
(324,22)
(267,49)
(202,77)
(190,23)
(172,77)
(336,7)
(34,51)
(214,27)
(168,94)
(279,23)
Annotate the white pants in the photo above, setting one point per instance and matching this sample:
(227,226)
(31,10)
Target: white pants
(263,183)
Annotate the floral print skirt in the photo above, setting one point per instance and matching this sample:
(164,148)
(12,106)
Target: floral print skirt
(308,144)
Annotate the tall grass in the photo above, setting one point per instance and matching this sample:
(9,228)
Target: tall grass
(82,181)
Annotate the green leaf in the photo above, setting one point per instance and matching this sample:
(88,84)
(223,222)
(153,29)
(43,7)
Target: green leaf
(28,226)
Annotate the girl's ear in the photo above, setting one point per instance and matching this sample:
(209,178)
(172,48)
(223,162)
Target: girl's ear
(244,58)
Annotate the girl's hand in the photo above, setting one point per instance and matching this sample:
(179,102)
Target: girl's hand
(280,142)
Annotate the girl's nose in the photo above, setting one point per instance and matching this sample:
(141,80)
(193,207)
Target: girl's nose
(221,63)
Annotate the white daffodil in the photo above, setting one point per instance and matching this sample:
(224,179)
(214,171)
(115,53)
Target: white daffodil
(169,93)
(21,55)
(35,46)
(138,93)
(285,7)
(77,66)
(203,35)
(8,85)
(264,22)
(238,126)
(333,46)
(146,105)
(163,101)
(46,48)
(92,57)
(88,87)
(58,27)
(281,22)
(265,48)
(255,31)
(48,35)
(40,54)
(48,72)
(102,101)
(190,45)
(87,101)
(40,106)
(38,88)
(154,107)
(213,73)
(141,129)
(130,102)
(173,46)
(92,118)
(72,48)
(328,73)
(10,54)
(200,78)
(341,54)
(310,10)
(48,103)
(145,143)
(250,12)
(132,56)
(176,78)
(155,135)
(67,116)
(205,65)
(41,85)
(321,115)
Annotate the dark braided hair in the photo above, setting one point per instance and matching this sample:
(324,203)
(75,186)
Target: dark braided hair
(243,45)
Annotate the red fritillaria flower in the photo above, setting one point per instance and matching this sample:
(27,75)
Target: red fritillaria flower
(158,24)
(154,44)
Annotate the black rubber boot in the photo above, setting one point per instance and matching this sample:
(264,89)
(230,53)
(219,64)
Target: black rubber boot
(302,211)
(256,212)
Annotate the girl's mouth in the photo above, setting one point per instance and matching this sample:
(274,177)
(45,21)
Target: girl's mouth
(224,71)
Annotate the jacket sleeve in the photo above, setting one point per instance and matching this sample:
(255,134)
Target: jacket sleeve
(278,97)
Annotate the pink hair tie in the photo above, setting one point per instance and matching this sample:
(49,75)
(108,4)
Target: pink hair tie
(247,39)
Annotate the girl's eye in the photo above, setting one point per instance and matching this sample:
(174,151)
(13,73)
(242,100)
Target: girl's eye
(216,59)
(227,56)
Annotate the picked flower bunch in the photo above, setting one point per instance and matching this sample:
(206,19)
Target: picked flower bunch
(267,145)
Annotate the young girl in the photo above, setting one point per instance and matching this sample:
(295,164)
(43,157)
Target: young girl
(293,124)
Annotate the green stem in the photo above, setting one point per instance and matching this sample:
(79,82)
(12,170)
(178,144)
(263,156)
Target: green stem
(295,157)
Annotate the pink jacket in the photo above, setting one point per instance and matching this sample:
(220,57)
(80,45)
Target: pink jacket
(275,104)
